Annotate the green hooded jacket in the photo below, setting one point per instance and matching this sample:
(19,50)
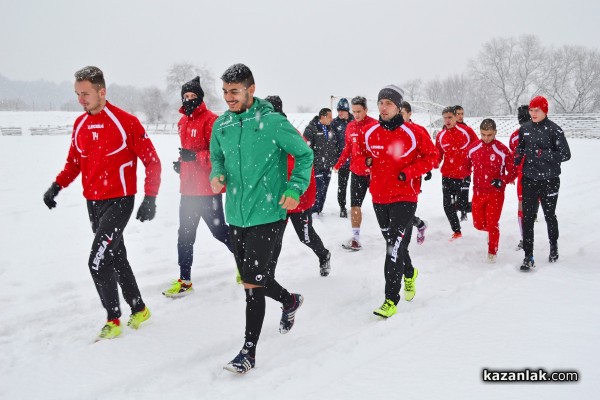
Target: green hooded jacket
(250,149)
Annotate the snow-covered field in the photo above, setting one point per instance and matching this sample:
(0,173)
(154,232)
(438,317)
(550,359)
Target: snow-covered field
(467,314)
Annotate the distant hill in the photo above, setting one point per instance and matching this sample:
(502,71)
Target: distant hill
(37,95)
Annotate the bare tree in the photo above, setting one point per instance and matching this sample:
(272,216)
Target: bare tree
(413,88)
(180,73)
(571,79)
(126,97)
(509,66)
(153,104)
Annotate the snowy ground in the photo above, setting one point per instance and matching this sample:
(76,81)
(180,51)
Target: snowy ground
(467,314)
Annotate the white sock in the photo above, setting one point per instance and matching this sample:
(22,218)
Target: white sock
(356,234)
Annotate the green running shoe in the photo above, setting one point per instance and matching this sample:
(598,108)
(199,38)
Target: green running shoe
(136,319)
(110,331)
(179,288)
(238,277)
(409,286)
(387,309)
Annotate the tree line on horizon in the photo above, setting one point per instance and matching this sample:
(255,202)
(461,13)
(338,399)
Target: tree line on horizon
(505,73)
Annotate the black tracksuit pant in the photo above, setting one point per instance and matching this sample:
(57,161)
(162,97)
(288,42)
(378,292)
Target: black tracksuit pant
(343,175)
(452,190)
(395,221)
(108,257)
(546,191)
(191,210)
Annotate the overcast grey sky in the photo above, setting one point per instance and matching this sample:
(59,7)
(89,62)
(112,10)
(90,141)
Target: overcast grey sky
(302,50)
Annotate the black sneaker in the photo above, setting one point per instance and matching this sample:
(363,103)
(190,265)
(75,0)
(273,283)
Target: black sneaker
(463,216)
(325,265)
(241,364)
(288,315)
(553,257)
(528,264)
(519,246)
(343,213)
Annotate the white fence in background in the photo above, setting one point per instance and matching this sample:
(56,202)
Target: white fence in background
(574,125)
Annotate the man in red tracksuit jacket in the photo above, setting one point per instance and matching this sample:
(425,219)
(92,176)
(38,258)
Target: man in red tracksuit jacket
(493,168)
(523,116)
(452,144)
(197,198)
(359,178)
(301,216)
(399,154)
(105,146)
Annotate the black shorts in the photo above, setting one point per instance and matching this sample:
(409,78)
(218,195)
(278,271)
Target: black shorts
(359,185)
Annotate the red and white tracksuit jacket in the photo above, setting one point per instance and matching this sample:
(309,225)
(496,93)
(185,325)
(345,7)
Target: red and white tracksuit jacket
(355,147)
(489,161)
(513,142)
(452,145)
(105,148)
(194,133)
(406,149)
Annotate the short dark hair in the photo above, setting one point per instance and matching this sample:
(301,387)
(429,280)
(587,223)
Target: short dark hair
(359,101)
(449,109)
(238,73)
(458,107)
(92,74)
(406,106)
(488,124)
(323,112)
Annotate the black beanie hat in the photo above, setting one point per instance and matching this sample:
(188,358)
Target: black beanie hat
(393,93)
(194,87)
(343,105)
(276,103)
(523,114)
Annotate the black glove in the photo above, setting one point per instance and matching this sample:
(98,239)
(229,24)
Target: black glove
(147,209)
(369,161)
(177,166)
(402,176)
(428,176)
(187,155)
(497,183)
(50,194)
(467,180)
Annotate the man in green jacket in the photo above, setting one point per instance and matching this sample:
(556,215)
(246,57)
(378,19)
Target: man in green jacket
(248,151)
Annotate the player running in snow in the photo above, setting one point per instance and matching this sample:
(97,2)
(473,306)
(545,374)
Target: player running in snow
(522,116)
(355,150)
(460,120)
(542,148)
(301,216)
(339,126)
(105,146)
(324,143)
(197,198)
(493,168)
(418,223)
(452,144)
(399,154)
(248,150)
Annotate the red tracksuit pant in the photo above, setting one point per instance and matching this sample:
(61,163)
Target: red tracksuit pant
(486,211)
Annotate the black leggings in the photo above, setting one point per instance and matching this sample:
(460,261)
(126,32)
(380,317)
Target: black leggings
(546,192)
(303,226)
(395,221)
(343,175)
(453,192)
(108,257)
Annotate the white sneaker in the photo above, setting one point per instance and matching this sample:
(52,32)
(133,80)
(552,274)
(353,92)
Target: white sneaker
(352,244)
(491,259)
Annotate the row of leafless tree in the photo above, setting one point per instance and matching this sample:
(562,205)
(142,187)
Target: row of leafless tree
(508,72)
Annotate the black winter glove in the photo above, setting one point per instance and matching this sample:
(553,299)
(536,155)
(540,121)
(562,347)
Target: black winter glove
(187,155)
(497,183)
(369,161)
(50,194)
(428,176)
(147,209)
(177,166)
(402,176)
